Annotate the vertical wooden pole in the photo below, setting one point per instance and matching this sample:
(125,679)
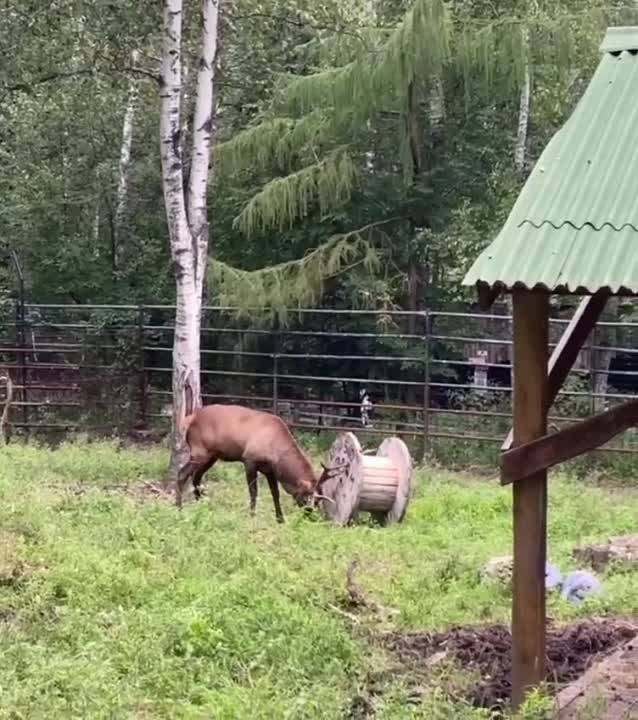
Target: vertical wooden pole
(531,323)
(426,387)
(141,370)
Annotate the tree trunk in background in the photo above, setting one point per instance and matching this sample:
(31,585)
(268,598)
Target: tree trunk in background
(125,162)
(436,108)
(523,111)
(186,216)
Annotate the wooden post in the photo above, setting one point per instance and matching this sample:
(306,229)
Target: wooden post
(275,383)
(426,387)
(531,331)
(570,344)
(141,371)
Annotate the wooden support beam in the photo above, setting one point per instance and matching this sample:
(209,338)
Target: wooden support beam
(531,340)
(541,454)
(487,296)
(570,344)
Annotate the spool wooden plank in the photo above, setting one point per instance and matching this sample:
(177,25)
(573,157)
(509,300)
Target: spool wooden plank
(397,451)
(344,486)
(379,484)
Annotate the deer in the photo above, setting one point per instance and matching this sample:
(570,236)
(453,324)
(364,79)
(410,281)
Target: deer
(259,440)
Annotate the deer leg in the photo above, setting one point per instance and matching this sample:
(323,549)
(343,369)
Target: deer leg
(199,474)
(274,491)
(251,479)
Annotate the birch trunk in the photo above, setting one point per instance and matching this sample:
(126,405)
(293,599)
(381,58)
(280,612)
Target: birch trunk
(436,108)
(96,227)
(186,218)
(125,162)
(203,125)
(523,111)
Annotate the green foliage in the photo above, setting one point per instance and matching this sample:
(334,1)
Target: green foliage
(114,605)
(271,144)
(299,283)
(326,122)
(284,200)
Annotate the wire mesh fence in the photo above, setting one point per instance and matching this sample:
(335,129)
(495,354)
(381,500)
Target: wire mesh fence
(431,377)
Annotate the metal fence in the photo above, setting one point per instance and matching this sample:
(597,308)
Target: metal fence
(437,378)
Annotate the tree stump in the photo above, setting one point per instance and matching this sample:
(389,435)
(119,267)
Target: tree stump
(380,484)
(617,551)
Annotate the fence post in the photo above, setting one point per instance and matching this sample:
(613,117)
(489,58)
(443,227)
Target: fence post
(426,386)
(141,372)
(21,344)
(275,368)
(592,372)
(275,388)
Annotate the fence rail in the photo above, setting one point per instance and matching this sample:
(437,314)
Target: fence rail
(432,376)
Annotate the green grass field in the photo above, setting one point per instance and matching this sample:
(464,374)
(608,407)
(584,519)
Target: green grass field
(114,605)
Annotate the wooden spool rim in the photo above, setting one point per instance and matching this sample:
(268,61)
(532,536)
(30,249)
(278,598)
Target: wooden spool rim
(396,450)
(345,488)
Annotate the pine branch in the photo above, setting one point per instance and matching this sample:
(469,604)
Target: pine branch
(297,283)
(313,112)
(287,199)
(270,144)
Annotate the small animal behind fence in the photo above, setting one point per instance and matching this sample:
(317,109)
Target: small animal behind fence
(365,407)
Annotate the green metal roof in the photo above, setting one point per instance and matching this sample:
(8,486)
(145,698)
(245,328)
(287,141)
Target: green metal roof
(574,226)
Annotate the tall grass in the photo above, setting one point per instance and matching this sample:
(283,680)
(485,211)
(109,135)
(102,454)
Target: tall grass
(115,605)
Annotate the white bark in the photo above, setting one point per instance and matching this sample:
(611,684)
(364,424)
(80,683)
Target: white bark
(188,232)
(436,103)
(186,105)
(125,162)
(203,124)
(96,226)
(523,111)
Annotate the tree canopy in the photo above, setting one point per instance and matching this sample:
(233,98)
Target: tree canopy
(365,150)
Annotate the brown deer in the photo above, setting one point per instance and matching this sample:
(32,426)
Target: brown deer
(259,440)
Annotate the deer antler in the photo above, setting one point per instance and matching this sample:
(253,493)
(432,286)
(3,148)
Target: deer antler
(318,496)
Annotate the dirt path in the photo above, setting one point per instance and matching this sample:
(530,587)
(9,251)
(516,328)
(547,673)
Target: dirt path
(607,691)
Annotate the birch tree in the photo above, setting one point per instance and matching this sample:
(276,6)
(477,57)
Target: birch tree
(524,105)
(125,162)
(186,208)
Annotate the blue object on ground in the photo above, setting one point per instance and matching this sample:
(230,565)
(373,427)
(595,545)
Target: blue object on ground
(579,585)
(553,577)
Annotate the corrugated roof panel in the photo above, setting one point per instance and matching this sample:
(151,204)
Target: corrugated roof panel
(563,260)
(574,226)
(618,39)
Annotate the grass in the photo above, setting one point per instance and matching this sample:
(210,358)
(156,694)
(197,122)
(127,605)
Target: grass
(116,606)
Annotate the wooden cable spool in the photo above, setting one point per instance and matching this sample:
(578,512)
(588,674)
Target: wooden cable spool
(380,484)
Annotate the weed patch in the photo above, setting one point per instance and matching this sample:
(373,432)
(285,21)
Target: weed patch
(125,607)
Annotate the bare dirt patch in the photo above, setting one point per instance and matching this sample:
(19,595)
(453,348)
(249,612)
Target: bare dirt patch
(608,690)
(487,653)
